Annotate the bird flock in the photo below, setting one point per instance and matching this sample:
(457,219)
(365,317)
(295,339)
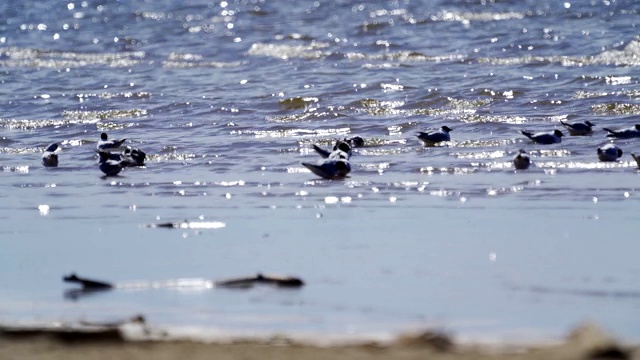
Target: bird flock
(113,156)
(336,161)
(607,152)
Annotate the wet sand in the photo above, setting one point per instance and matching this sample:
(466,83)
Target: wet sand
(586,342)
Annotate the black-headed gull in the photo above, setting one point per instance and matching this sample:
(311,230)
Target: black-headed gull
(355,141)
(50,158)
(609,152)
(128,157)
(106,144)
(134,156)
(431,138)
(521,161)
(545,138)
(109,166)
(341,150)
(636,157)
(330,168)
(579,129)
(627,133)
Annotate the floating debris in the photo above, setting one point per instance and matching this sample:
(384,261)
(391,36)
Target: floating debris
(91,285)
(190,225)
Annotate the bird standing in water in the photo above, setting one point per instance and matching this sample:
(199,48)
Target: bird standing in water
(106,144)
(545,138)
(430,138)
(50,158)
(521,161)
(579,129)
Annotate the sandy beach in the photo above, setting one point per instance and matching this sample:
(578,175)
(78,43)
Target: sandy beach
(585,342)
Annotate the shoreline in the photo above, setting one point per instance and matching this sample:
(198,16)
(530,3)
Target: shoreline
(109,341)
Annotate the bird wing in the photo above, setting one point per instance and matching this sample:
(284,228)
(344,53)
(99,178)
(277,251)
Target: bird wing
(432,136)
(53,147)
(322,152)
(323,170)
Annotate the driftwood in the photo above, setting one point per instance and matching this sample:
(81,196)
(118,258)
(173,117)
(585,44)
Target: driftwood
(89,286)
(86,283)
(291,282)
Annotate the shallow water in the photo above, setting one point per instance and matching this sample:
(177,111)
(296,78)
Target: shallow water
(227,99)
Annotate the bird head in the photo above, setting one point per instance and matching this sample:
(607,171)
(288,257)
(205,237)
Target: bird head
(357,141)
(341,145)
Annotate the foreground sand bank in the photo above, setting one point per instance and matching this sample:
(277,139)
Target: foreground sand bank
(586,342)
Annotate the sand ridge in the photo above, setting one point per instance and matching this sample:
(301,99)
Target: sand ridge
(585,342)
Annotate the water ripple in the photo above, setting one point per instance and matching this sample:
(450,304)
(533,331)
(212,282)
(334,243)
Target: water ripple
(95,116)
(29,124)
(629,56)
(310,51)
(40,58)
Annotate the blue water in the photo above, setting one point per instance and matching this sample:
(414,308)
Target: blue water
(227,98)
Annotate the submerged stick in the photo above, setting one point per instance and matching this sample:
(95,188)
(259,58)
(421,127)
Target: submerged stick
(87,283)
(261,279)
(243,282)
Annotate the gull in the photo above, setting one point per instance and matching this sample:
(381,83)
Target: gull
(521,161)
(330,168)
(355,141)
(106,144)
(431,138)
(134,156)
(341,150)
(636,157)
(579,129)
(627,133)
(109,166)
(128,157)
(609,152)
(545,138)
(50,158)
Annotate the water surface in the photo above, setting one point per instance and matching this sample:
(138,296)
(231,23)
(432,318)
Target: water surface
(227,98)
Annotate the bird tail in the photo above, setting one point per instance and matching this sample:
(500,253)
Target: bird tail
(608,130)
